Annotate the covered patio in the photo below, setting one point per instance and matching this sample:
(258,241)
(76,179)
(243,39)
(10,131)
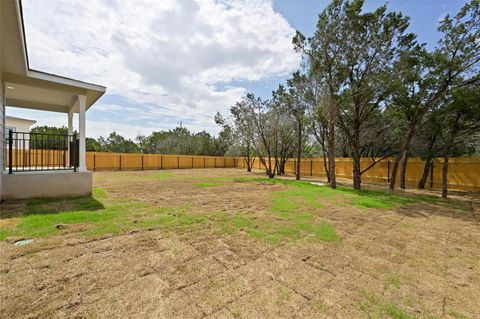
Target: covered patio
(35,164)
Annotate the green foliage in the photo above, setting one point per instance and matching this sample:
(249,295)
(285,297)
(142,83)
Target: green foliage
(181,141)
(47,137)
(118,144)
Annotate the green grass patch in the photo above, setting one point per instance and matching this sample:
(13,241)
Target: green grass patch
(305,194)
(392,282)
(207,184)
(375,306)
(97,216)
(394,312)
(160,175)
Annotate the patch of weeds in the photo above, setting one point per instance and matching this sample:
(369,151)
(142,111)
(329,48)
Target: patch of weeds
(283,295)
(395,312)
(392,282)
(325,232)
(207,184)
(242,222)
(4,233)
(227,229)
(457,315)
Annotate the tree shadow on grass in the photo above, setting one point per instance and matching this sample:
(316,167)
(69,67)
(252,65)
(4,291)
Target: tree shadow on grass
(456,209)
(423,205)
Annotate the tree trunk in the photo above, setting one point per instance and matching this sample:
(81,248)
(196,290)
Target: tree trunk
(445,175)
(357,177)
(403,150)
(248,159)
(403,171)
(299,150)
(331,150)
(428,162)
(409,137)
(426,170)
(325,166)
(448,150)
(355,149)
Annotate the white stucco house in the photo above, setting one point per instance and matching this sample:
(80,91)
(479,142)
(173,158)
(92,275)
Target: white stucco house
(17,124)
(54,165)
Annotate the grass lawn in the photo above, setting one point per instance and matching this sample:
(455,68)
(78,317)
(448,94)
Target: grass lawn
(310,248)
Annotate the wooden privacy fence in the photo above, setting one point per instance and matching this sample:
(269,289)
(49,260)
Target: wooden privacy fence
(36,157)
(98,161)
(463,172)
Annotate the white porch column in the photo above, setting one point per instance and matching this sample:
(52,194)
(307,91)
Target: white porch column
(70,123)
(69,132)
(82,167)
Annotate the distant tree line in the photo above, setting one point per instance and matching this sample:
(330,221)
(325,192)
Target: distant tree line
(367,88)
(177,141)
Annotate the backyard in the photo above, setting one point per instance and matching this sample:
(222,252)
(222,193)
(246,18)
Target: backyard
(223,243)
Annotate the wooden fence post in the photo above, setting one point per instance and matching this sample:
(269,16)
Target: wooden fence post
(311,167)
(94,162)
(120,161)
(178,162)
(388,171)
(204,165)
(142,161)
(161,161)
(224,162)
(431,176)
(192,161)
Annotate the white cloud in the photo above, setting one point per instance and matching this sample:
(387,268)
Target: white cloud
(170,57)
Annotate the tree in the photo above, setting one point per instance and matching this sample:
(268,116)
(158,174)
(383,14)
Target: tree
(354,53)
(241,130)
(92,145)
(265,124)
(49,137)
(453,64)
(299,100)
(118,144)
(462,120)
(281,106)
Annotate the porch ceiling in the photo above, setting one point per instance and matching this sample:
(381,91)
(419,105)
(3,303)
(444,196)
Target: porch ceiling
(47,92)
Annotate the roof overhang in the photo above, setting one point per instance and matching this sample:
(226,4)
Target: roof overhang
(13,118)
(28,88)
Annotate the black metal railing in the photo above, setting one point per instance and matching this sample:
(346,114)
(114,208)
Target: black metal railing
(41,152)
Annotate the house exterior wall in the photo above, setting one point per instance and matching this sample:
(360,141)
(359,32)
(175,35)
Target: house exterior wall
(18,124)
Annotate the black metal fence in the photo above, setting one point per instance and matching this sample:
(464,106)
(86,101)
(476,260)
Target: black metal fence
(41,151)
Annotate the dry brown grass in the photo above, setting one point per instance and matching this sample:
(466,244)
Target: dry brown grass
(418,260)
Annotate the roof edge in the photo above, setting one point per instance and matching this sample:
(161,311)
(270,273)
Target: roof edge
(50,76)
(19,118)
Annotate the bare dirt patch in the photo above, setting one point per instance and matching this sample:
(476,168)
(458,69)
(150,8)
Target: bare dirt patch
(418,260)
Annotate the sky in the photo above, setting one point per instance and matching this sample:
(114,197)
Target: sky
(179,61)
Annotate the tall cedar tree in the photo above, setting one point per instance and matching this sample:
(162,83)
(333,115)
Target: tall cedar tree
(454,63)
